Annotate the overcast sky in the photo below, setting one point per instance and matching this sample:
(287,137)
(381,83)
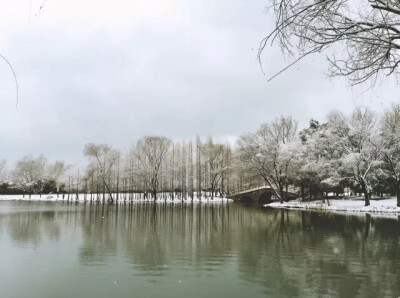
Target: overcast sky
(114,71)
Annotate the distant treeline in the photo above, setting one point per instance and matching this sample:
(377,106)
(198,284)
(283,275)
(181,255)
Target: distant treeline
(357,153)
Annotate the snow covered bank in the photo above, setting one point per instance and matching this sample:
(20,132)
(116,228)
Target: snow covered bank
(346,205)
(81,198)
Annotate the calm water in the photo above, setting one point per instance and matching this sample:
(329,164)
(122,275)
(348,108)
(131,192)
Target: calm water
(60,249)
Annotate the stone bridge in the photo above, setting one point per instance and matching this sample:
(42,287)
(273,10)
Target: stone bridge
(258,196)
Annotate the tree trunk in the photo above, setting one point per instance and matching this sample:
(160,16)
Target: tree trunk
(367,197)
(398,193)
(366,194)
(302,191)
(286,192)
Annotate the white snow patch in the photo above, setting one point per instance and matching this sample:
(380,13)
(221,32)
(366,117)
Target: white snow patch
(345,205)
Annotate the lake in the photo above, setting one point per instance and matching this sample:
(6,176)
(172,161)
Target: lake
(68,249)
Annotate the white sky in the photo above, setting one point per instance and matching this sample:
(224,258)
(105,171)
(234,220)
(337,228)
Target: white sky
(114,71)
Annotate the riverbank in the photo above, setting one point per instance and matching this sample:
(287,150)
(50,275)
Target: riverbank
(81,198)
(354,205)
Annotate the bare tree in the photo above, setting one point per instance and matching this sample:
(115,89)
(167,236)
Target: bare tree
(150,153)
(198,166)
(363,35)
(104,159)
(183,172)
(214,155)
(191,171)
(227,171)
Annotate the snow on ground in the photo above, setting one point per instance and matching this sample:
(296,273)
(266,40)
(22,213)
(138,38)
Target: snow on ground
(353,205)
(81,198)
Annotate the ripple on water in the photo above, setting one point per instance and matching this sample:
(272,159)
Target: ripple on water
(213,250)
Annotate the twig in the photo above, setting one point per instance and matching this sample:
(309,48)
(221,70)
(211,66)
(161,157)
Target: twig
(15,77)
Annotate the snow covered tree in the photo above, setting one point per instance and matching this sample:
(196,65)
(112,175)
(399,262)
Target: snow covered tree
(390,132)
(30,174)
(355,148)
(271,151)
(57,172)
(3,170)
(318,160)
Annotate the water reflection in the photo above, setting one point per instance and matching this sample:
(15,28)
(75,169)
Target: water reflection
(28,227)
(279,253)
(152,235)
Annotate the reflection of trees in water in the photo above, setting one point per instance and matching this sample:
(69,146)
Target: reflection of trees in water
(331,254)
(152,235)
(289,253)
(31,226)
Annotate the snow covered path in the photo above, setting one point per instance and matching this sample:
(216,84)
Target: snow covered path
(346,205)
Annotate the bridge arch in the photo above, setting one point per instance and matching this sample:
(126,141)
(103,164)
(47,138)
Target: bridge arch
(246,200)
(259,195)
(264,198)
